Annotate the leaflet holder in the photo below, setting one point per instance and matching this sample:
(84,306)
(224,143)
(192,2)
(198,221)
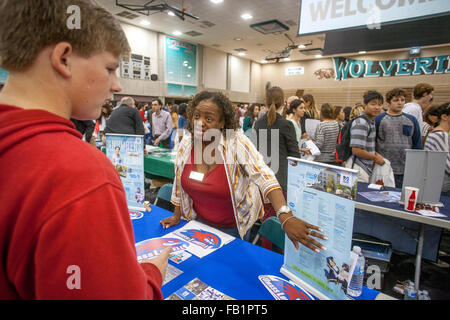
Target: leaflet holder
(424,169)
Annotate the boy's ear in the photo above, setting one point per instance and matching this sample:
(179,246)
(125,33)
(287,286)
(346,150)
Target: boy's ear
(60,57)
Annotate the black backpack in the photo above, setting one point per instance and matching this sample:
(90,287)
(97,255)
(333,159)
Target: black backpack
(343,150)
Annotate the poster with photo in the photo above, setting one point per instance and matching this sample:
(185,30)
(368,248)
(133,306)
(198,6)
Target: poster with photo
(322,195)
(126,153)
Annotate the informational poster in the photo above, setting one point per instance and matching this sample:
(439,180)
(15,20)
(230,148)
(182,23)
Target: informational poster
(181,62)
(126,153)
(322,195)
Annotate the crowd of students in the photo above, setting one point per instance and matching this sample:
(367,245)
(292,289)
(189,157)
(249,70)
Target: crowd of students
(382,127)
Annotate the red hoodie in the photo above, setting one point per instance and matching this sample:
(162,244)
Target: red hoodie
(63,215)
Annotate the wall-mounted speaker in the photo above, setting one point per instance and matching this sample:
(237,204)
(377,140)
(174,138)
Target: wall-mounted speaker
(154,77)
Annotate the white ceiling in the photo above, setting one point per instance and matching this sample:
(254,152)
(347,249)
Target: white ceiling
(228,24)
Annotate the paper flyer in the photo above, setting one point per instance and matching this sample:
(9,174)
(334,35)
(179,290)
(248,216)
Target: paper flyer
(171,273)
(198,290)
(282,289)
(126,153)
(202,239)
(151,248)
(322,195)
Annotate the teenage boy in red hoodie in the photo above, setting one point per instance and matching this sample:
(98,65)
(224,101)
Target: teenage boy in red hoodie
(64,223)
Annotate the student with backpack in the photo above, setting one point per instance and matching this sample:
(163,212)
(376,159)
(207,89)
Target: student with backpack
(362,136)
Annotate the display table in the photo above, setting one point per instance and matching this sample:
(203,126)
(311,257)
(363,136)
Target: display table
(420,228)
(159,163)
(233,269)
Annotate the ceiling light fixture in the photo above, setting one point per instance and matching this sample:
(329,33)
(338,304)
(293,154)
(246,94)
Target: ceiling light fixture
(170,13)
(177,33)
(362,52)
(318,56)
(246,16)
(145,22)
(216,1)
(241,53)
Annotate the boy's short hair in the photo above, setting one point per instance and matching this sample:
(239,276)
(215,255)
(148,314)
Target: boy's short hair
(372,95)
(395,93)
(28,26)
(421,89)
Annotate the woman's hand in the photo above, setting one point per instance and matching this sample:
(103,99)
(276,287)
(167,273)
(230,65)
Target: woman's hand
(300,231)
(173,220)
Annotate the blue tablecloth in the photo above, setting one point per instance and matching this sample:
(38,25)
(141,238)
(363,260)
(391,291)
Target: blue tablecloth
(233,269)
(400,232)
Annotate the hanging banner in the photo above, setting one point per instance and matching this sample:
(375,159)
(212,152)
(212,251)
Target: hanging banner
(322,195)
(126,153)
(181,62)
(347,68)
(318,16)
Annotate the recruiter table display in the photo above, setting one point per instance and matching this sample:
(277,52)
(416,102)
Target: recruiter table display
(160,162)
(236,270)
(386,219)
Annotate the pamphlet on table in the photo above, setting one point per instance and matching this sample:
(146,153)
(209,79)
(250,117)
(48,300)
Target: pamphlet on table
(198,290)
(322,195)
(282,289)
(203,239)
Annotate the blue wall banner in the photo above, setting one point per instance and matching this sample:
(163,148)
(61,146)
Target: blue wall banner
(126,153)
(181,62)
(322,195)
(346,68)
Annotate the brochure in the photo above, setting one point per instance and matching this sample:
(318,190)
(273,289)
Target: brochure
(198,290)
(126,153)
(322,195)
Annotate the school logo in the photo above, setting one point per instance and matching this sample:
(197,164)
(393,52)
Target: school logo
(134,215)
(204,239)
(151,248)
(282,289)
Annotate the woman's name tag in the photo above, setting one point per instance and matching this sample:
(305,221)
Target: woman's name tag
(198,176)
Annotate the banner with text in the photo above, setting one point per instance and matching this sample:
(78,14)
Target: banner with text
(346,68)
(317,16)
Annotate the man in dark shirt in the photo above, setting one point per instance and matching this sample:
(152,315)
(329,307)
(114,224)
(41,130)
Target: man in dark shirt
(125,119)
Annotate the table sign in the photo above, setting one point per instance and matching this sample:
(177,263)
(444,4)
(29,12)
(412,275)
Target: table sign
(126,153)
(322,195)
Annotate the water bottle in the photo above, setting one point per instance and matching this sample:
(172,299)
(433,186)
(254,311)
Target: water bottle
(410,292)
(355,286)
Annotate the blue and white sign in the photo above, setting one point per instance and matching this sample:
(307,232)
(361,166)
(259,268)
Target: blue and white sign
(126,153)
(322,195)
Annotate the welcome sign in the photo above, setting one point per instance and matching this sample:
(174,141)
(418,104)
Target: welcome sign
(318,16)
(346,68)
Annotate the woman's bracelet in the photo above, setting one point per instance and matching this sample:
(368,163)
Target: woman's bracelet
(282,225)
